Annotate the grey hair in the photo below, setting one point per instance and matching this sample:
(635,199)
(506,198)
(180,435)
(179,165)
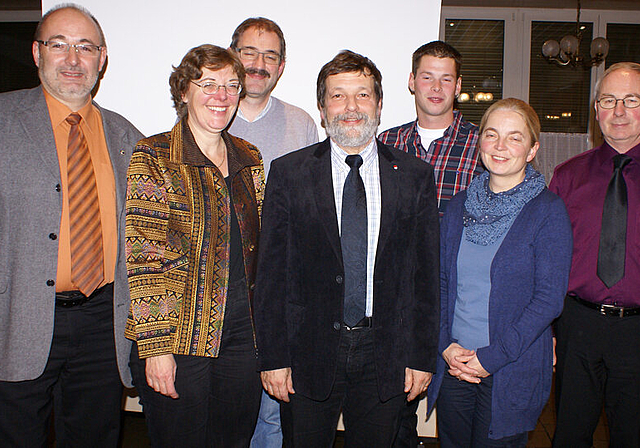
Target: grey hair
(81,9)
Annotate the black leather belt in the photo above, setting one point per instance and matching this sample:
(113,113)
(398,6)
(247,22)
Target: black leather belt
(366,322)
(607,310)
(68,299)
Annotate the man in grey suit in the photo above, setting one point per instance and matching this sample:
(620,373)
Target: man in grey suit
(62,344)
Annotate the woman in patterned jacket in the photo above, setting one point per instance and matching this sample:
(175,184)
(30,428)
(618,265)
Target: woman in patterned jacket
(193,216)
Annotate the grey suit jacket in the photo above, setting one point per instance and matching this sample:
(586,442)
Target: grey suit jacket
(30,210)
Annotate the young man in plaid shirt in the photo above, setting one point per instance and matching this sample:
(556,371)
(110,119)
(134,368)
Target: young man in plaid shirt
(439,135)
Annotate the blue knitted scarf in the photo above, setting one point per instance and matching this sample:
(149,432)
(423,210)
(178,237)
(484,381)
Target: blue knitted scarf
(488,215)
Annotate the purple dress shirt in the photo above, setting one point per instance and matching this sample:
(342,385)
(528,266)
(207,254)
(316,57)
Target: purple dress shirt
(582,183)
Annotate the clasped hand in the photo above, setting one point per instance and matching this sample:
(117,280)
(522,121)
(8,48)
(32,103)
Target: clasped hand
(464,364)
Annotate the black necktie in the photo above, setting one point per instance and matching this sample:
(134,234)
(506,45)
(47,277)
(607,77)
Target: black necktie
(354,243)
(613,234)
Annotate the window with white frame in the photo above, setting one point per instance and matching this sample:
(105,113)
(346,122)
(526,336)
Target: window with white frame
(561,95)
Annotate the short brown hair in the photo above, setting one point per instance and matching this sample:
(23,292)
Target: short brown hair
(204,56)
(438,49)
(348,62)
(263,24)
(523,109)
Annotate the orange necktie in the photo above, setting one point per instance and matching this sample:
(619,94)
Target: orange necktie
(84,213)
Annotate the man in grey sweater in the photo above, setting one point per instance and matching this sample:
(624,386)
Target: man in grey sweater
(276,128)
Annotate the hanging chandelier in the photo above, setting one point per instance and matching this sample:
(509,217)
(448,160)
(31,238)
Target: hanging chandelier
(567,52)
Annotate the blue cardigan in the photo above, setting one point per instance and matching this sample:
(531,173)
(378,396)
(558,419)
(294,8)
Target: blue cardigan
(529,276)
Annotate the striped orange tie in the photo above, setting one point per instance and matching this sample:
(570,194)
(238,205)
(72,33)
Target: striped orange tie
(84,213)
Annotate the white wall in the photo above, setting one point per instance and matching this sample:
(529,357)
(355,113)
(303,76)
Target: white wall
(145,38)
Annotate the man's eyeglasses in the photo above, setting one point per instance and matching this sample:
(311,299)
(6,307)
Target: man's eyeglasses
(251,54)
(610,102)
(57,47)
(210,88)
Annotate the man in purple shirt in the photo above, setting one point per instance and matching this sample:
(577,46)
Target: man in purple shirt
(598,334)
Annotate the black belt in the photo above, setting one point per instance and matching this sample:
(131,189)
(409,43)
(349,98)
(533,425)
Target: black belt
(365,322)
(607,310)
(68,299)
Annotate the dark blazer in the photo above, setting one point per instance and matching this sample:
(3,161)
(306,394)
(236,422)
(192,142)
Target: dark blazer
(30,210)
(299,286)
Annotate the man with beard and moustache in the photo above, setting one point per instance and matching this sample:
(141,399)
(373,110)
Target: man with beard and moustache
(347,291)
(63,284)
(275,128)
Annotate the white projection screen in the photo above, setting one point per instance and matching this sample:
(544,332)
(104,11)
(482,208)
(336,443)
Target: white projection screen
(145,38)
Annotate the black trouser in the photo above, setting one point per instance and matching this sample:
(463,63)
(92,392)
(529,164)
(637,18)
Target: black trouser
(219,397)
(368,422)
(598,359)
(464,416)
(80,382)
(408,432)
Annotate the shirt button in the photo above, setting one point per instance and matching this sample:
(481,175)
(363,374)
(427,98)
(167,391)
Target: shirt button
(58,188)
(339,279)
(251,248)
(336,325)
(50,282)
(53,236)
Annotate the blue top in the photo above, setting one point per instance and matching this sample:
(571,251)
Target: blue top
(471,318)
(529,275)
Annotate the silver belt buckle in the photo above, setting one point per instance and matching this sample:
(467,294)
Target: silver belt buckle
(605,307)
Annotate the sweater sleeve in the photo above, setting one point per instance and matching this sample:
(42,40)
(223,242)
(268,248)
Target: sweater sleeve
(147,215)
(552,247)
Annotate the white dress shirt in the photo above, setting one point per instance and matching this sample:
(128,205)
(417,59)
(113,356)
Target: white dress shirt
(370,173)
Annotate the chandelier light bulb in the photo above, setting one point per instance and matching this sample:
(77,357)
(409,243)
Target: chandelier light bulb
(599,47)
(569,44)
(551,48)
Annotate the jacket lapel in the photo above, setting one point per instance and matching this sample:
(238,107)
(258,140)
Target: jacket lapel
(115,138)
(36,126)
(319,175)
(389,172)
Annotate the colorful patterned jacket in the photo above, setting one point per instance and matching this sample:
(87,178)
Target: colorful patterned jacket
(178,225)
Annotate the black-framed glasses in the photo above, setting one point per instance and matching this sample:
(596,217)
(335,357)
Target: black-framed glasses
(210,87)
(58,47)
(251,54)
(610,102)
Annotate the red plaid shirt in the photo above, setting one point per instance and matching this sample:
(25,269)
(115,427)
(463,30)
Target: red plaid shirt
(454,156)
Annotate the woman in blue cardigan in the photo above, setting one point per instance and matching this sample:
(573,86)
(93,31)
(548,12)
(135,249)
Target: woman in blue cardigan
(505,258)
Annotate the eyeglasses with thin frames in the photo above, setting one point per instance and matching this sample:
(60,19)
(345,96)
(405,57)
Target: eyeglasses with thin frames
(210,88)
(57,47)
(251,54)
(610,102)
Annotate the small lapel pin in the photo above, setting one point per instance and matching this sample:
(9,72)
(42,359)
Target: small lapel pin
(395,167)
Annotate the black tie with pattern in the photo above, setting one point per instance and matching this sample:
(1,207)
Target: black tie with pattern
(354,243)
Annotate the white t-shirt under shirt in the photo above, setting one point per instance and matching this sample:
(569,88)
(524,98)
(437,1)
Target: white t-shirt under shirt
(427,136)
